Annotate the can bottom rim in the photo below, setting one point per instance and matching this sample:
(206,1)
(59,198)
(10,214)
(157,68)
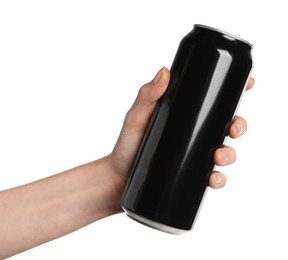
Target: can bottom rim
(154,224)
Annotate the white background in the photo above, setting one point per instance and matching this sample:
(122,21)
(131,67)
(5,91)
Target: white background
(69,71)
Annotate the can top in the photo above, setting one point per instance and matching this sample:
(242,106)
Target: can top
(228,35)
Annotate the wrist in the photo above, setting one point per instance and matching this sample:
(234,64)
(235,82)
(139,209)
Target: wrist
(109,186)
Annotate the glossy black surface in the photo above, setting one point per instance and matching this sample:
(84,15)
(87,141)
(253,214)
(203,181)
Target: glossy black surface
(173,166)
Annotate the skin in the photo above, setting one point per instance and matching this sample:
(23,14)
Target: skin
(41,211)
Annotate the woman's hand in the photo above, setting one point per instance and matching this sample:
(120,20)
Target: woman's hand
(135,124)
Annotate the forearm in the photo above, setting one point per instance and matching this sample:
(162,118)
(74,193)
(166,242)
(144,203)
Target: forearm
(44,210)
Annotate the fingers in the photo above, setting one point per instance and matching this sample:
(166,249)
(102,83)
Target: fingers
(140,112)
(238,127)
(217,180)
(224,156)
(250,84)
(227,155)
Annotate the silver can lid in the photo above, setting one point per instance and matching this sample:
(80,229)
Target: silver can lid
(228,35)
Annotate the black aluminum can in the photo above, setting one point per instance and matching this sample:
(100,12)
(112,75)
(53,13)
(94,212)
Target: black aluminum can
(171,172)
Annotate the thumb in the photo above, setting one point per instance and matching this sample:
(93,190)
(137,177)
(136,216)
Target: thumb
(141,110)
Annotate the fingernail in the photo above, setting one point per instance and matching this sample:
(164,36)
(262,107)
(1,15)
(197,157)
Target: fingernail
(218,179)
(157,77)
(225,156)
(240,129)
